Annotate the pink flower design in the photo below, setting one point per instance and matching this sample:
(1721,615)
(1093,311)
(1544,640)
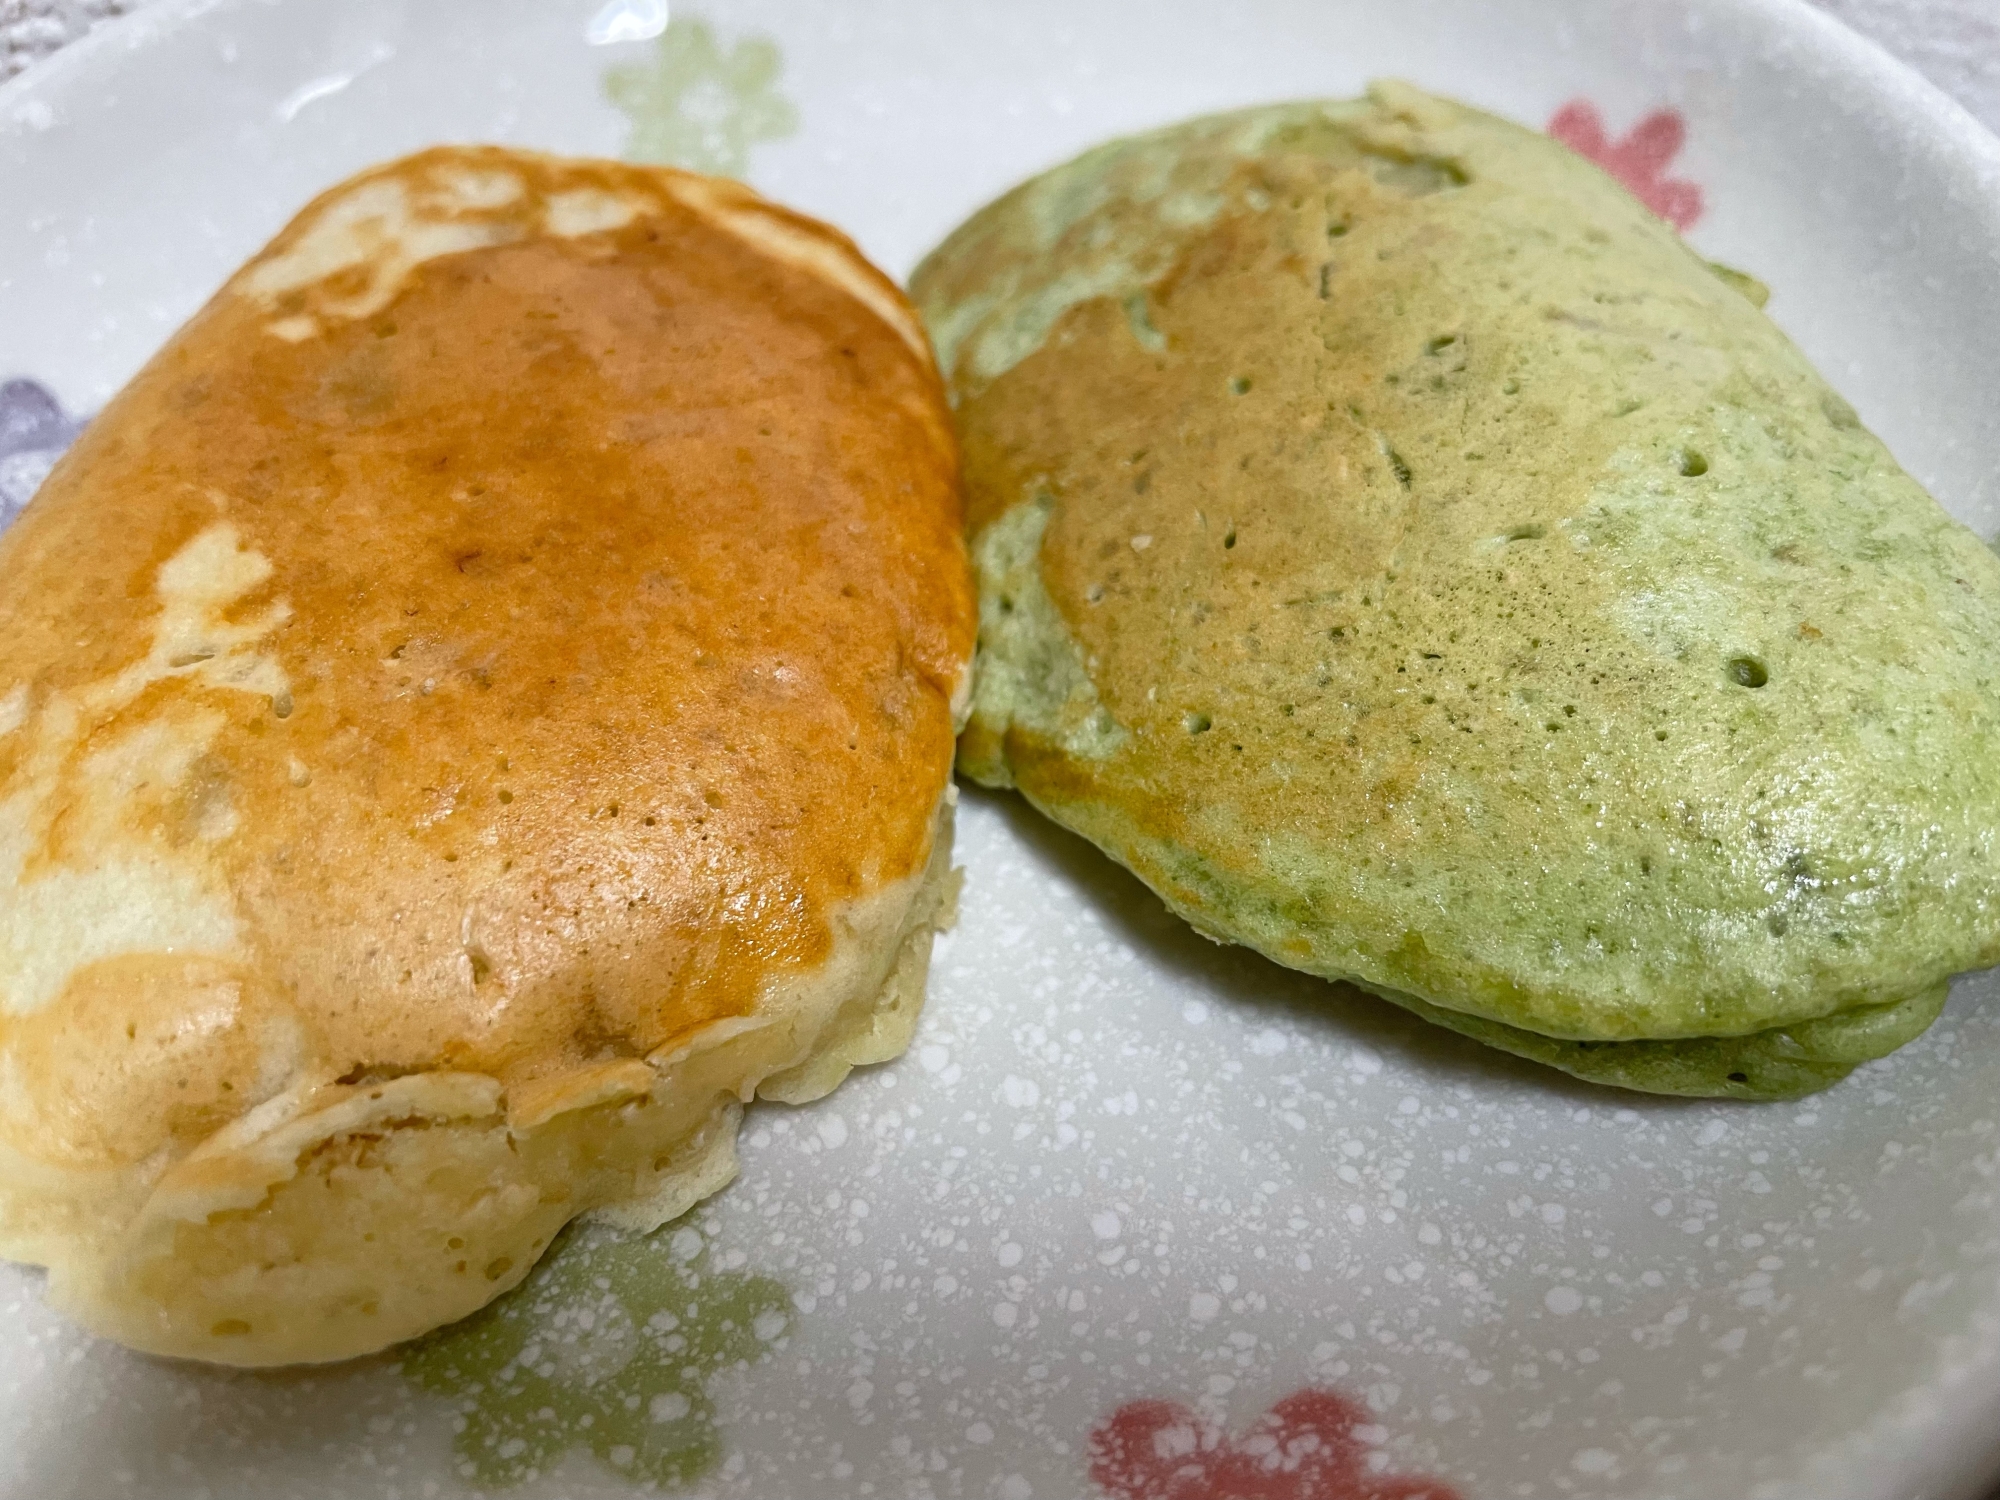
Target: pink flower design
(1638,159)
(1303,1448)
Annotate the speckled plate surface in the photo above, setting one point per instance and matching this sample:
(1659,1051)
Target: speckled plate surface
(1137,1217)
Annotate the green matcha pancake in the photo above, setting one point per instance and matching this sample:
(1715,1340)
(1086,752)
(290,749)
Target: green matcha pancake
(1413,562)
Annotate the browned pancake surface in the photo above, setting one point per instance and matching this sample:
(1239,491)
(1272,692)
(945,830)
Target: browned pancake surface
(595,604)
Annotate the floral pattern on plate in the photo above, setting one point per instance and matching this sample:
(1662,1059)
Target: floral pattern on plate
(34,431)
(698,106)
(1639,158)
(609,1344)
(1313,1445)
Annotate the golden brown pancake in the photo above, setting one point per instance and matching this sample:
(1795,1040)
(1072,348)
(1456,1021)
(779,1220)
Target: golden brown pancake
(477,707)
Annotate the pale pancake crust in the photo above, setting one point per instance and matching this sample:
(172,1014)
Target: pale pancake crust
(1410,559)
(514,631)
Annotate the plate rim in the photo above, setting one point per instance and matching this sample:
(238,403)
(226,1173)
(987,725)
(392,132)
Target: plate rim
(1961,1458)
(1956,126)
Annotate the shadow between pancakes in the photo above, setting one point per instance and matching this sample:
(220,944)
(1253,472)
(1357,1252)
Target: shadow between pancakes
(1258,987)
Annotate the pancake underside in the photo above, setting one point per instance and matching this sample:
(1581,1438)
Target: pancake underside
(356,1223)
(1780,1062)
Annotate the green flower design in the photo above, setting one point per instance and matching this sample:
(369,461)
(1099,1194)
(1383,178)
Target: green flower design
(610,1342)
(696,106)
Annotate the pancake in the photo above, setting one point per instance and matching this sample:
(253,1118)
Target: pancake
(478,708)
(1409,558)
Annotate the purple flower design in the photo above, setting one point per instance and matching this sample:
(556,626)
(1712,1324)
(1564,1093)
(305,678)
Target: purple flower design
(34,431)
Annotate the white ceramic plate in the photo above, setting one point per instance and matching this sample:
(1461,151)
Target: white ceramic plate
(1119,1166)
